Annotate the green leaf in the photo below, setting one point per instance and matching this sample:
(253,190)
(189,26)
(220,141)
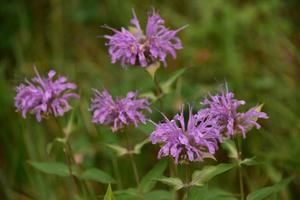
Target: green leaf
(149,180)
(159,195)
(267,191)
(149,95)
(152,69)
(129,191)
(120,151)
(205,193)
(77,197)
(230,147)
(166,86)
(70,126)
(54,168)
(199,178)
(137,148)
(97,175)
(109,194)
(127,194)
(56,141)
(249,162)
(176,183)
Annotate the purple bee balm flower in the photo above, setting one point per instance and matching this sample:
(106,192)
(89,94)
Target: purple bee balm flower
(193,141)
(224,108)
(120,112)
(135,48)
(45,96)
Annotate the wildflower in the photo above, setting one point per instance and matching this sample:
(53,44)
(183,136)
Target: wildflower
(45,96)
(193,141)
(120,112)
(224,108)
(135,48)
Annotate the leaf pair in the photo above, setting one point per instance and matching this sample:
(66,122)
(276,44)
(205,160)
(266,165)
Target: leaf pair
(147,184)
(265,192)
(60,169)
(121,151)
(166,86)
(199,178)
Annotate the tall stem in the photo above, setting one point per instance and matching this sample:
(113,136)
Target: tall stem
(136,175)
(187,179)
(187,173)
(69,156)
(135,171)
(117,173)
(237,144)
(159,92)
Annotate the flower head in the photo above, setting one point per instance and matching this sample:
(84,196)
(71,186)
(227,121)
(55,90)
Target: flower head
(193,141)
(120,112)
(135,48)
(224,108)
(44,96)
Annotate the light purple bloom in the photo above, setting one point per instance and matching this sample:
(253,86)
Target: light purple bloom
(224,108)
(45,96)
(120,112)
(135,48)
(193,141)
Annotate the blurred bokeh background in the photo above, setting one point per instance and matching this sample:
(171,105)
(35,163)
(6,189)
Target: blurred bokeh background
(251,45)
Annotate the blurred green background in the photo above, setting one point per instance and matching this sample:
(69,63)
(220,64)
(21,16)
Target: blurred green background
(251,45)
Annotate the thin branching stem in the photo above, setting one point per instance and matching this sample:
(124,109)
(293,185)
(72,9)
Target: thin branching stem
(69,156)
(239,154)
(159,92)
(187,179)
(136,175)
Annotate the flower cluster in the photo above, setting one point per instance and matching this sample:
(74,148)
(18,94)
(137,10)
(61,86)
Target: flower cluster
(193,141)
(135,48)
(120,112)
(204,130)
(43,96)
(185,139)
(224,108)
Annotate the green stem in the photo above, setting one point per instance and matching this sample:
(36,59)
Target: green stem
(187,179)
(69,156)
(159,92)
(136,175)
(187,173)
(241,182)
(117,173)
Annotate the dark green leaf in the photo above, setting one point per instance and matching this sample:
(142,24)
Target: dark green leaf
(176,183)
(56,141)
(149,180)
(200,178)
(54,168)
(159,195)
(205,193)
(127,194)
(265,192)
(97,175)
(130,191)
